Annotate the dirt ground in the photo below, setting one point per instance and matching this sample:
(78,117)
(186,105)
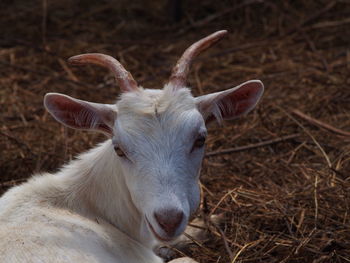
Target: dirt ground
(280,176)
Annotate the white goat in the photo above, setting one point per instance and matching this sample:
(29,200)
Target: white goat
(138,189)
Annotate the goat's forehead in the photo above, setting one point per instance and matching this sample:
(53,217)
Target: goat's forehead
(153,103)
(149,111)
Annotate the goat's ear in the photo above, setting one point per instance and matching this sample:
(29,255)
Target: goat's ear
(232,103)
(79,114)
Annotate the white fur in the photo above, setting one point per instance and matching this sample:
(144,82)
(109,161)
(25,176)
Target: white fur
(100,207)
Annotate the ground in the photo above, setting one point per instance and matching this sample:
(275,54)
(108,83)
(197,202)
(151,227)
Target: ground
(280,176)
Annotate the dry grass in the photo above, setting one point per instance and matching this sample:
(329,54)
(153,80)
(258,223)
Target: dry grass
(285,201)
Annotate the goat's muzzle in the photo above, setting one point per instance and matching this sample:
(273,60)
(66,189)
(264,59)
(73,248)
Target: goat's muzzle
(169,220)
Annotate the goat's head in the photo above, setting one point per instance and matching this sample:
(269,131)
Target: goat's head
(158,135)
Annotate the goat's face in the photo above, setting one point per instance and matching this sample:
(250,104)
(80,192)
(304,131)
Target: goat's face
(159,139)
(158,135)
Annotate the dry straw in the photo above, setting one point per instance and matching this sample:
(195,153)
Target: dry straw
(280,176)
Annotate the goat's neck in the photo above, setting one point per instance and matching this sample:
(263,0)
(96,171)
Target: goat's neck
(96,188)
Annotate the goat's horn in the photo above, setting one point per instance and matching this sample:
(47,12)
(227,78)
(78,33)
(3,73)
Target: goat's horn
(180,71)
(123,77)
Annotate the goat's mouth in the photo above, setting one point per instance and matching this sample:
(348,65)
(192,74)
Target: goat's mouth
(160,238)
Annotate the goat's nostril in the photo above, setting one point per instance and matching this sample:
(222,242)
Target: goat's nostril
(169,220)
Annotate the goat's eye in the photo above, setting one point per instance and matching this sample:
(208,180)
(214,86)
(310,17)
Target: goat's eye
(199,142)
(119,151)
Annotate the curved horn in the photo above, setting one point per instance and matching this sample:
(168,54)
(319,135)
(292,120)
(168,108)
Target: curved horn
(122,76)
(180,71)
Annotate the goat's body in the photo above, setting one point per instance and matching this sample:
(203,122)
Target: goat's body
(57,235)
(45,220)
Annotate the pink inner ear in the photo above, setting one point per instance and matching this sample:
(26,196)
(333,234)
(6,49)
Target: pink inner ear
(76,114)
(240,101)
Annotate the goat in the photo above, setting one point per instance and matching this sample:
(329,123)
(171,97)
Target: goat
(120,200)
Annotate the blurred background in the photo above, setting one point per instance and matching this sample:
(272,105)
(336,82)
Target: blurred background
(279,176)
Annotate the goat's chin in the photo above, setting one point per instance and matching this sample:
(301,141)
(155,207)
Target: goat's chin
(159,237)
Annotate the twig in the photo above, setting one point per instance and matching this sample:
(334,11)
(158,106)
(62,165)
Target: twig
(43,73)
(198,243)
(313,17)
(315,199)
(44,22)
(253,146)
(313,48)
(325,24)
(224,238)
(11,42)
(240,252)
(305,241)
(310,135)
(69,72)
(18,142)
(218,204)
(86,14)
(235,49)
(215,16)
(320,123)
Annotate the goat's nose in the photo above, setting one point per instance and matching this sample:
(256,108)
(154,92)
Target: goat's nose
(169,220)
